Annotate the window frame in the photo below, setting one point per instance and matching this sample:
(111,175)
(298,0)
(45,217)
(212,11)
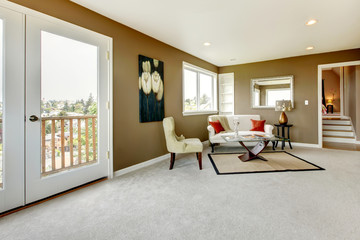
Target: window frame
(257,92)
(274,90)
(198,71)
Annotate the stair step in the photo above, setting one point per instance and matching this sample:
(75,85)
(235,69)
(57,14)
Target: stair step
(335,130)
(337,122)
(332,118)
(335,118)
(349,137)
(338,133)
(337,127)
(339,139)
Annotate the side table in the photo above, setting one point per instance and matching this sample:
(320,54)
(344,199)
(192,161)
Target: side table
(285,138)
(330,108)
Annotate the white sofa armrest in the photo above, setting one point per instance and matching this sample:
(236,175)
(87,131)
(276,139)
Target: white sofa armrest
(268,128)
(211,131)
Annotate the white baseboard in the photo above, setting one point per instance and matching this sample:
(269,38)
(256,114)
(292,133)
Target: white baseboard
(310,145)
(141,165)
(146,163)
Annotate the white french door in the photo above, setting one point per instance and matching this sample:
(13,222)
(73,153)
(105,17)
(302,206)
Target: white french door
(11,109)
(67,121)
(54,107)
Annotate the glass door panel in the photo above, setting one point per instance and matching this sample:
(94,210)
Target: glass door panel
(67,131)
(11,109)
(69,102)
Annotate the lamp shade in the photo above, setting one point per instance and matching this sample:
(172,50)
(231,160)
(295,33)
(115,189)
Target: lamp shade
(283,105)
(330,101)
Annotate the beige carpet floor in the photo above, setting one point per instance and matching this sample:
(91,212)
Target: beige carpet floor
(186,203)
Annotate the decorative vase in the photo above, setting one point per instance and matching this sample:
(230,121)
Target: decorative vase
(283,118)
(236,128)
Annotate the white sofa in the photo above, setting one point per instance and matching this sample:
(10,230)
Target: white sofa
(227,121)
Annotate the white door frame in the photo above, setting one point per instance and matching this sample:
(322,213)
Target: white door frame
(28,11)
(320,69)
(38,187)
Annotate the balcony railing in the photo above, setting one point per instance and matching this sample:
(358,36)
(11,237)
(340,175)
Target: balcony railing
(63,150)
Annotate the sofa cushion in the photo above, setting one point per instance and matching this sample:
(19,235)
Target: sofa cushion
(258,125)
(217,126)
(244,121)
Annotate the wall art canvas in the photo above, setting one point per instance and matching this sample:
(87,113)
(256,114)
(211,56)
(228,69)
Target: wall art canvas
(151,89)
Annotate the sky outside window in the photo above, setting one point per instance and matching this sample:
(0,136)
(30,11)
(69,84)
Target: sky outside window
(69,68)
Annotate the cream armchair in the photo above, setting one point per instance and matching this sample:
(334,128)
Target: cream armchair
(176,144)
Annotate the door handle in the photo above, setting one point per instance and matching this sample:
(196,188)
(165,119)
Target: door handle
(33,118)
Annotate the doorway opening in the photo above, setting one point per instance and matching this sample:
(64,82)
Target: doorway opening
(55,107)
(339,105)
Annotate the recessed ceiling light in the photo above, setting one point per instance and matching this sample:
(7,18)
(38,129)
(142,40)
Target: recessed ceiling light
(310,48)
(311,22)
(207,44)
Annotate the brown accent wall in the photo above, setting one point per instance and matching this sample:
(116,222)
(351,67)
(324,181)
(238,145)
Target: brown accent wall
(357,123)
(134,142)
(304,69)
(332,85)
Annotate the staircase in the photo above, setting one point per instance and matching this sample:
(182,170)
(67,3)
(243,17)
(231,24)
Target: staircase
(338,130)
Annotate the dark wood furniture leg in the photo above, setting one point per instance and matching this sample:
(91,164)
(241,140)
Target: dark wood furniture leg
(288,132)
(212,147)
(254,152)
(273,144)
(283,142)
(283,135)
(199,158)
(172,160)
(277,130)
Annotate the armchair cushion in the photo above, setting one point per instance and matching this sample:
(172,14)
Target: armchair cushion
(192,145)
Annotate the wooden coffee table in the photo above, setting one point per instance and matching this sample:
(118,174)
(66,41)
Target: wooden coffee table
(262,140)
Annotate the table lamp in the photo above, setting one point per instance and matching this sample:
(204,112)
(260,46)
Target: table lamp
(283,106)
(330,101)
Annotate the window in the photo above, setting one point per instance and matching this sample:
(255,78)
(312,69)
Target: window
(199,90)
(272,95)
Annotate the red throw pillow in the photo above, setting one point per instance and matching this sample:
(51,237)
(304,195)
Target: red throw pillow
(217,126)
(258,125)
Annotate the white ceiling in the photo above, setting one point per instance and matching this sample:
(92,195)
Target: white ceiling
(245,30)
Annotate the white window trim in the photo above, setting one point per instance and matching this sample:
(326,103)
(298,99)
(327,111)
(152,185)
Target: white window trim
(257,91)
(198,70)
